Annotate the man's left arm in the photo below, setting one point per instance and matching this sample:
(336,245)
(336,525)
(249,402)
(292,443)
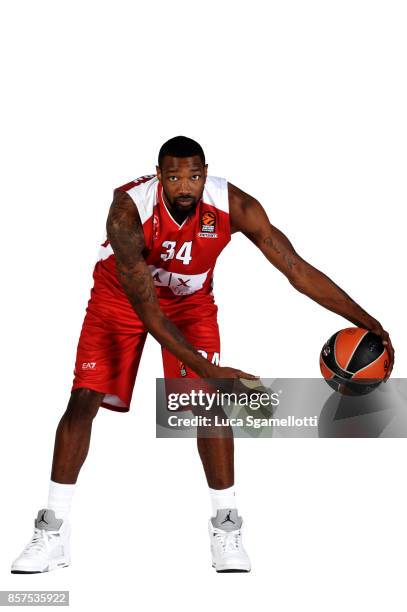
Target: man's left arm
(249,217)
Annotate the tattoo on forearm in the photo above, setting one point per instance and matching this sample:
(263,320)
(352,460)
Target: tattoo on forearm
(125,233)
(139,285)
(269,242)
(176,334)
(127,245)
(287,258)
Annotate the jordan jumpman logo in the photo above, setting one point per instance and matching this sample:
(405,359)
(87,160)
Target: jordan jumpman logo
(42,519)
(228,519)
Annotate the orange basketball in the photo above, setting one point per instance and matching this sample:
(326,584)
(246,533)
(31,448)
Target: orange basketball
(354,361)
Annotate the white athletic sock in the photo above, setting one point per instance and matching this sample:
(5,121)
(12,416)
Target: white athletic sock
(60,498)
(222,498)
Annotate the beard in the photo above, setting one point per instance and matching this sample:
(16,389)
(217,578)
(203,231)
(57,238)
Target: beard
(183,205)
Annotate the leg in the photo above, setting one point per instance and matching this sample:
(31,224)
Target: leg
(216,450)
(217,455)
(73,435)
(108,353)
(215,444)
(49,547)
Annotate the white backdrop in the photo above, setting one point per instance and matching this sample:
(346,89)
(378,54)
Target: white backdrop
(301,104)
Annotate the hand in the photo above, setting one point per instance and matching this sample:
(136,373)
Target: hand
(219,372)
(384,335)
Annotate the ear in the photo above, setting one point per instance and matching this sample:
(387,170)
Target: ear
(158,171)
(206,170)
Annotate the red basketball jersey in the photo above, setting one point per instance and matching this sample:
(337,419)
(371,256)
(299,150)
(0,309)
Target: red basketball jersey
(181,257)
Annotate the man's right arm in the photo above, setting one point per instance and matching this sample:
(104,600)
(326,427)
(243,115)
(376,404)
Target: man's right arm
(125,234)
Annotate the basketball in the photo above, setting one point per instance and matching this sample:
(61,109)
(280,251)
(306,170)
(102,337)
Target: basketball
(354,361)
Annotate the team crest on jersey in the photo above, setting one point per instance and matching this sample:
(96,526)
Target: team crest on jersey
(208,225)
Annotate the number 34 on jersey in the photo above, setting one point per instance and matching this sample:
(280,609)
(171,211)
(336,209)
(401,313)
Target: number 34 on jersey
(171,251)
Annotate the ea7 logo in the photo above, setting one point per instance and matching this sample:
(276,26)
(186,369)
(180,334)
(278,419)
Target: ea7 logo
(89,365)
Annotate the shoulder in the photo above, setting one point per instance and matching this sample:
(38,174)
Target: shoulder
(141,192)
(246,212)
(139,186)
(239,200)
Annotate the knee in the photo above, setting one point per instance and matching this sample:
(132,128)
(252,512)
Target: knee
(219,483)
(84,403)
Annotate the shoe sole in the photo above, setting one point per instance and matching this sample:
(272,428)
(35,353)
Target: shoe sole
(231,570)
(47,569)
(22,572)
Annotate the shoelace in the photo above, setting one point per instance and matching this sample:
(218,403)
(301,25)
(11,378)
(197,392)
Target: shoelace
(229,540)
(39,541)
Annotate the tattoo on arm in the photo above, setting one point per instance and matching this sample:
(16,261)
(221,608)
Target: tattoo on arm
(139,285)
(124,230)
(177,336)
(289,260)
(125,233)
(249,217)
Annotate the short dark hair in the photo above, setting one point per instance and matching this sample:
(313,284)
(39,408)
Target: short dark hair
(181,146)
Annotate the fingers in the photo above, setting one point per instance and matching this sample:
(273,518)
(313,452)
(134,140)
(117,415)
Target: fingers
(391,356)
(386,378)
(390,368)
(387,343)
(247,376)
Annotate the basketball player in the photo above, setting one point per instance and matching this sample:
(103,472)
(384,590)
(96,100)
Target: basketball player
(154,275)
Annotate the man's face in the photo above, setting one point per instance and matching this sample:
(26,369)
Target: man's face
(183,180)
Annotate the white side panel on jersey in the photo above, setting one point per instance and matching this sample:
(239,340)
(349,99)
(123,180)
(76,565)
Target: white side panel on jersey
(144,196)
(216,193)
(180,284)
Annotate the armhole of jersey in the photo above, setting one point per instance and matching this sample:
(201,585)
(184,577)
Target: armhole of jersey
(223,194)
(139,203)
(143,197)
(224,197)
(216,193)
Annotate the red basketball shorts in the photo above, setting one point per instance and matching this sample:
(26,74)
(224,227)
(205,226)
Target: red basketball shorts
(112,339)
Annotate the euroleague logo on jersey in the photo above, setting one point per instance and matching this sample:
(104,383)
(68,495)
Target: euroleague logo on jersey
(208,225)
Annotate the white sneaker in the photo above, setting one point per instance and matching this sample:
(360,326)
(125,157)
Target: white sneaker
(228,554)
(48,548)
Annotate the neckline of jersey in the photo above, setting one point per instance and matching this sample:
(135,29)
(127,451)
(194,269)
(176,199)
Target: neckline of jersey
(161,199)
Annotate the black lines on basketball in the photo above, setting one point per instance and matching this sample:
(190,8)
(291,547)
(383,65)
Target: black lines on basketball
(329,357)
(368,350)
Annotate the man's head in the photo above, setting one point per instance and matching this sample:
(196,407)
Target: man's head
(182,171)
